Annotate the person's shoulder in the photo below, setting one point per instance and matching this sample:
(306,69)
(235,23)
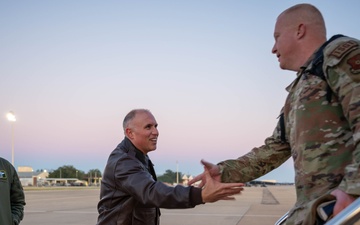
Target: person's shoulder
(338,49)
(341,56)
(120,153)
(5,162)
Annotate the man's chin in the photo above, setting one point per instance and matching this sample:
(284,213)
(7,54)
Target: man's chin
(282,66)
(152,149)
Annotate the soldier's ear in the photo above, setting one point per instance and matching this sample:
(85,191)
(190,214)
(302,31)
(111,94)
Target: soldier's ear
(301,30)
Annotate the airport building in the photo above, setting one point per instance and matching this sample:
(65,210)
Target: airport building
(28,177)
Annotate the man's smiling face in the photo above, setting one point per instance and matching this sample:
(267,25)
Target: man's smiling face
(143,131)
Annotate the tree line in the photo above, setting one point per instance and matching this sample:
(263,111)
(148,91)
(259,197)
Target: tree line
(69,171)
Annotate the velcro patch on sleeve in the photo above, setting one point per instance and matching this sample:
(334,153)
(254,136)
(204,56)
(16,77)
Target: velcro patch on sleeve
(354,63)
(3,175)
(339,51)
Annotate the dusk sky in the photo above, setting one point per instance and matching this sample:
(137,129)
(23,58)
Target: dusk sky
(71,71)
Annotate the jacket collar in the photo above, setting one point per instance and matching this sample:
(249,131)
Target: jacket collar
(130,147)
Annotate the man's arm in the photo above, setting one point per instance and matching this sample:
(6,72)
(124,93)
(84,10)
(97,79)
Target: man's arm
(254,164)
(132,179)
(17,198)
(258,162)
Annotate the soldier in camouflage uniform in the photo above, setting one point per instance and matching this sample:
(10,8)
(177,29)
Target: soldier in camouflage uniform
(319,125)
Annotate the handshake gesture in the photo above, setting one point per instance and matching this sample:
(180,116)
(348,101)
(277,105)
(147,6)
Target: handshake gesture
(212,189)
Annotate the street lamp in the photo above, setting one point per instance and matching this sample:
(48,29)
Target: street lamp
(177,172)
(11,117)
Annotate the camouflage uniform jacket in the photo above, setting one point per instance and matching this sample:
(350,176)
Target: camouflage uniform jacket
(321,136)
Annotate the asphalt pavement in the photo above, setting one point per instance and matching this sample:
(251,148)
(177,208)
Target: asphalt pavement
(77,206)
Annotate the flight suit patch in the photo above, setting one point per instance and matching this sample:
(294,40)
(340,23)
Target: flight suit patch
(343,48)
(354,63)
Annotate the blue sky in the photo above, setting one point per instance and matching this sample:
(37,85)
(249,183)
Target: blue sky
(71,70)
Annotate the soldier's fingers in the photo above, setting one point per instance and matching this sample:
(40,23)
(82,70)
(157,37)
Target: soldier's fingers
(207,164)
(196,179)
(201,184)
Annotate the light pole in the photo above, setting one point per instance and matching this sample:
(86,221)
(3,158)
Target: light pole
(11,117)
(177,172)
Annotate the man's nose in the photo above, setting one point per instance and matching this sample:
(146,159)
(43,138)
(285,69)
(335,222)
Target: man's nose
(273,50)
(155,131)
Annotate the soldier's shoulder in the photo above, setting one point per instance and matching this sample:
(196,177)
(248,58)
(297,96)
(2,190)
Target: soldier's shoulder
(339,48)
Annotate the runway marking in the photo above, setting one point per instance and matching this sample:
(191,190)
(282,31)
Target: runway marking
(268,198)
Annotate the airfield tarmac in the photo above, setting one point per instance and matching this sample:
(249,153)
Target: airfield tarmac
(77,206)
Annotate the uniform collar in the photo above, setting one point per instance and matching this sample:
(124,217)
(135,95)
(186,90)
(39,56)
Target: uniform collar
(306,65)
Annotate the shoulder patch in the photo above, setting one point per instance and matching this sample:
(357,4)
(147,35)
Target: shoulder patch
(339,51)
(3,175)
(354,63)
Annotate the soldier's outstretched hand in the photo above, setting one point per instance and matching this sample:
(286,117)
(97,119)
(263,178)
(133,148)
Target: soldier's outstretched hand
(214,190)
(213,169)
(343,200)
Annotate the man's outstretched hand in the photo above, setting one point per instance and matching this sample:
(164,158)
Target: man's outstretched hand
(214,190)
(213,170)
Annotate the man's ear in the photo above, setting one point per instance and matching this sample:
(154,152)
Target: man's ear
(129,133)
(301,30)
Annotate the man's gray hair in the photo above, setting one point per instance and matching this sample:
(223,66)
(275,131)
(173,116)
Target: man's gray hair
(131,116)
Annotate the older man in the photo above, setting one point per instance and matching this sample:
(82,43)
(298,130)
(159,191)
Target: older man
(130,193)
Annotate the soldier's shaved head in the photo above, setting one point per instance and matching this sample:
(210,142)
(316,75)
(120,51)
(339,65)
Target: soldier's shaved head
(305,14)
(299,31)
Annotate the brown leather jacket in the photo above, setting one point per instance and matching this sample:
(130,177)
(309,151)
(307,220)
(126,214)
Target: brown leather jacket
(130,194)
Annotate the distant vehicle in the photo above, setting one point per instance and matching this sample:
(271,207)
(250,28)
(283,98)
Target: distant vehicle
(78,183)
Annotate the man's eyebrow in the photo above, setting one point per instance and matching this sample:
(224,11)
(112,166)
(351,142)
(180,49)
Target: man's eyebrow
(149,125)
